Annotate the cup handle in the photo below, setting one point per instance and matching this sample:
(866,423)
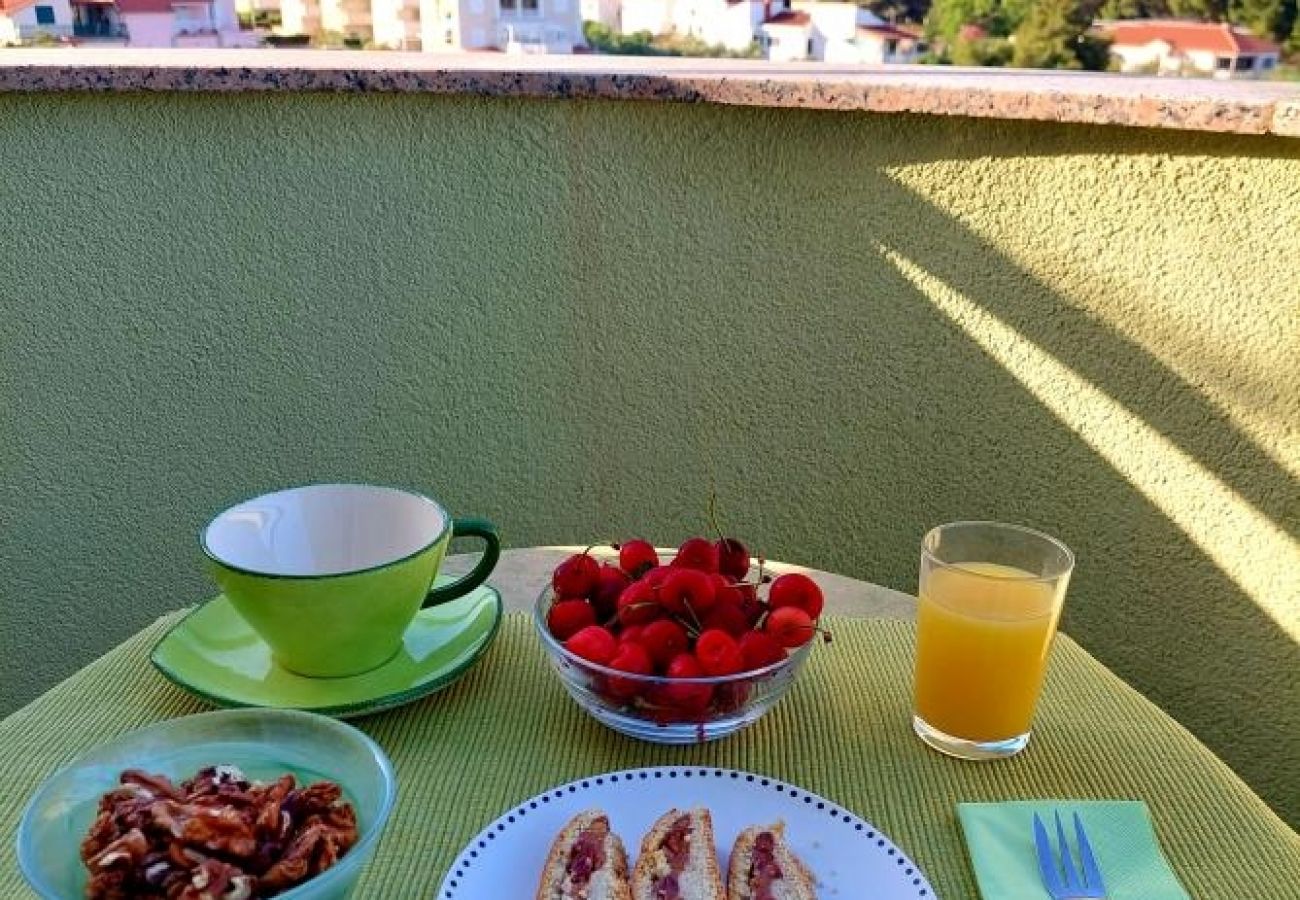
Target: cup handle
(480,528)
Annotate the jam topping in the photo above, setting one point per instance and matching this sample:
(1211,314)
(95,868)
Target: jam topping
(677,843)
(676,846)
(763,868)
(666,888)
(587,853)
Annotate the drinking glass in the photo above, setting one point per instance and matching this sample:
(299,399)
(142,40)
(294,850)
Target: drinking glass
(989,600)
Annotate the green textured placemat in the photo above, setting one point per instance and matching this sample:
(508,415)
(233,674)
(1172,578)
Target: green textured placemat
(507,731)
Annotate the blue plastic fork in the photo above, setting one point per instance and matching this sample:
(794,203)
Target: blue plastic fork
(1062,880)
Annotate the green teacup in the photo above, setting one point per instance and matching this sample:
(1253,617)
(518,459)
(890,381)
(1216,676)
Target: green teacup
(330,575)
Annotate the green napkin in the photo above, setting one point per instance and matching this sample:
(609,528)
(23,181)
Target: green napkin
(1000,839)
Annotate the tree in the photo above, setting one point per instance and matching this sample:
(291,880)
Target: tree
(1052,36)
(900,10)
(1266,18)
(946,17)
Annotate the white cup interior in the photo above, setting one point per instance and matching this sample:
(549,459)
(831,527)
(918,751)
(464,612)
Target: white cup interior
(324,529)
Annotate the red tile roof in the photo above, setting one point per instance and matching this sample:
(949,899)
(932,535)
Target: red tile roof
(1206,37)
(788,18)
(9,7)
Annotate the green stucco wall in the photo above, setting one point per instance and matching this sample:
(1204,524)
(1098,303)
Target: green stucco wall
(574,317)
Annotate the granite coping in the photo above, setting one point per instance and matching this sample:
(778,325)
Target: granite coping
(1187,104)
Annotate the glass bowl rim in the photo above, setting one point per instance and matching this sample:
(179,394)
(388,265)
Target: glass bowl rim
(365,841)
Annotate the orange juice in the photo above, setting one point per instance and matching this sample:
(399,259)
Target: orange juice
(983,635)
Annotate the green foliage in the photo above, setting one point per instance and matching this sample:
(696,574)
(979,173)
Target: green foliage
(642,43)
(1266,18)
(604,40)
(258,18)
(985,52)
(1054,36)
(946,17)
(899,10)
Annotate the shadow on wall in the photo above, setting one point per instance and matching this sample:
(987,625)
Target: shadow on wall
(884,411)
(575,318)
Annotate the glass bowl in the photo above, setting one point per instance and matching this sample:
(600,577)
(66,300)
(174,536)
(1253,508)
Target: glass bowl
(667,710)
(264,743)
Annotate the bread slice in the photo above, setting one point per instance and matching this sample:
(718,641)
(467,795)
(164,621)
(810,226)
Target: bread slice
(608,877)
(696,873)
(794,882)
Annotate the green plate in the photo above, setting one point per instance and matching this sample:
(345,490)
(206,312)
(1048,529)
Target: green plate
(214,653)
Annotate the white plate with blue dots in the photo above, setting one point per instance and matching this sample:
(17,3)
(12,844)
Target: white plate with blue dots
(850,858)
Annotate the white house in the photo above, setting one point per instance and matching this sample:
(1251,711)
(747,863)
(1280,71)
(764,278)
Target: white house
(834,32)
(1173,47)
(606,12)
(515,26)
(733,24)
(25,20)
(160,23)
(654,16)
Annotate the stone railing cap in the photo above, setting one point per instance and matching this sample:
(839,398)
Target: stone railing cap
(1243,107)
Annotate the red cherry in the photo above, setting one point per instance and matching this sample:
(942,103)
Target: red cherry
(730,618)
(637,604)
(687,697)
(789,626)
(630,633)
(795,589)
(697,553)
(718,653)
(731,593)
(688,592)
(751,606)
(633,658)
(609,585)
(760,650)
(576,576)
(568,617)
(594,644)
(636,557)
(733,558)
(664,639)
(655,577)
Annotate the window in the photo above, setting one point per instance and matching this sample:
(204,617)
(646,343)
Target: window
(1266,62)
(1223,63)
(1245,63)
(810,47)
(530,6)
(509,5)
(45,15)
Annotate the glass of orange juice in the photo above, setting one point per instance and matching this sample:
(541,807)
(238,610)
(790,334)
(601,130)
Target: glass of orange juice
(989,600)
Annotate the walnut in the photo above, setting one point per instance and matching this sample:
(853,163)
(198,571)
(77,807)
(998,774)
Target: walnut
(217,836)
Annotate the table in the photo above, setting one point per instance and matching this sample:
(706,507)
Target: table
(507,731)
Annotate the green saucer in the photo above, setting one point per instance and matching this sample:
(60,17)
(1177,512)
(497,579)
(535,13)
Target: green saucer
(214,653)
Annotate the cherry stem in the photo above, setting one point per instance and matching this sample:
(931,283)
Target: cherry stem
(694,618)
(713,516)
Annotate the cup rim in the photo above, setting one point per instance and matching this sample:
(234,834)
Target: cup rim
(316,576)
(1053,575)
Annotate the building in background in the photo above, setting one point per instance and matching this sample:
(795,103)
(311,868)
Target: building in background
(1171,47)
(179,23)
(606,12)
(22,21)
(835,33)
(512,26)
(343,18)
